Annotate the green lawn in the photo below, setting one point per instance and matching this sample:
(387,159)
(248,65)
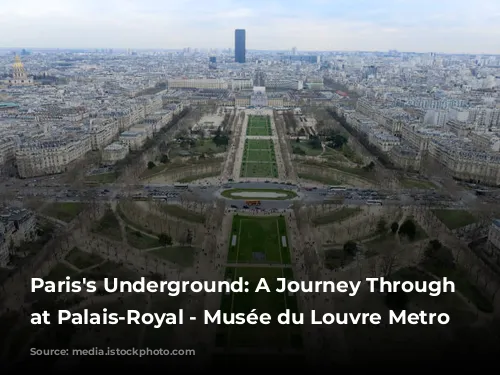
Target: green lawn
(320,179)
(182,213)
(82,259)
(180,255)
(156,169)
(186,180)
(265,156)
(454,219)
(109,226)
(205,146)
(232,194)
(59,272)
(64,211)
(334,216)
(303,148)
(259,126)
(140,240)
(259,159)
(337,258)
(103,178)
(462,284)
(369,176)
(258,240)
(409,183)
(274,335)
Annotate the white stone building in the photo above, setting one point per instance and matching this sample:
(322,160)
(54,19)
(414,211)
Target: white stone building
(45,157)
(16,226)
(114,152)
(494,239)
(134,140)
(194,83)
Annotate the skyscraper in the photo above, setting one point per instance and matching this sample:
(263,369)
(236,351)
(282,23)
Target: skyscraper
(239,45)
(212,62)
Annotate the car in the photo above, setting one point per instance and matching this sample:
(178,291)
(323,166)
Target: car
(245,207)
(234,206)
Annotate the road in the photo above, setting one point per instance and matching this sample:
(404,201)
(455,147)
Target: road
(207,193)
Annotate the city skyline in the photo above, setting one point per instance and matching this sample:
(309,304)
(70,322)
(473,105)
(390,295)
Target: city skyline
(420,26)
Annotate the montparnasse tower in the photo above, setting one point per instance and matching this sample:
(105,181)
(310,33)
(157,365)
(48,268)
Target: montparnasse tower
(19,75)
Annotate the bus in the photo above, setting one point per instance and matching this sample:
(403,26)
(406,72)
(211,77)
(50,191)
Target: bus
(181,186)
(252,203)
(374,202)
(337,188)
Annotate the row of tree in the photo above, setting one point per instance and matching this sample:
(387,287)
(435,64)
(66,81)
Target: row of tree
(363,139)
(407,229)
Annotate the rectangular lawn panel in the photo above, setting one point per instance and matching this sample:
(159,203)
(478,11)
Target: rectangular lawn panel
(258,155)
(259,159)
(254,169)
(259,144)
(454,219)
(259,126)
(258,240)
(273,335)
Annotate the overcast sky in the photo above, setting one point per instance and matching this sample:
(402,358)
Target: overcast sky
(405,25)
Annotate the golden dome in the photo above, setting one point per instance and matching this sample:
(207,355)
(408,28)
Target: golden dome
(17,62)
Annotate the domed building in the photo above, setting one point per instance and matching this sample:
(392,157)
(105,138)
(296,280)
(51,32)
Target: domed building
(19,75)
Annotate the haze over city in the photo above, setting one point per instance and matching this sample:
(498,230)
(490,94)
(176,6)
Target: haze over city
(449,26)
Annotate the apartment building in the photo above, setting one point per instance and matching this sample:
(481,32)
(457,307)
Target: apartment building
(419,138)
(486,140)
(406,157)
(102,133)
(16,226)
(194,83)
(284,84)
(382,140)
(7,149)
(432,103)
(238,84)
(460,129)
(466,162)
(51,156)
(493,247)
(133,139)
(242,100)
(114,152)
(315,83)
(143,127)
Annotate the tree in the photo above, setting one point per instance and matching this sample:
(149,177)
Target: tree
(351,248)
(394,227)
(189,237)
(297,140)
(439,256)
(151,165)
(336,141)
(165,239)
(381,225)
(164,159)
(369,167)
(408,229)
(314,142)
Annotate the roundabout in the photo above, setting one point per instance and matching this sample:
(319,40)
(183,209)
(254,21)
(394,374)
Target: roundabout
(262,194)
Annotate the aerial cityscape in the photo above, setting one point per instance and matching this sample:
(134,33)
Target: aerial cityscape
(220,163)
